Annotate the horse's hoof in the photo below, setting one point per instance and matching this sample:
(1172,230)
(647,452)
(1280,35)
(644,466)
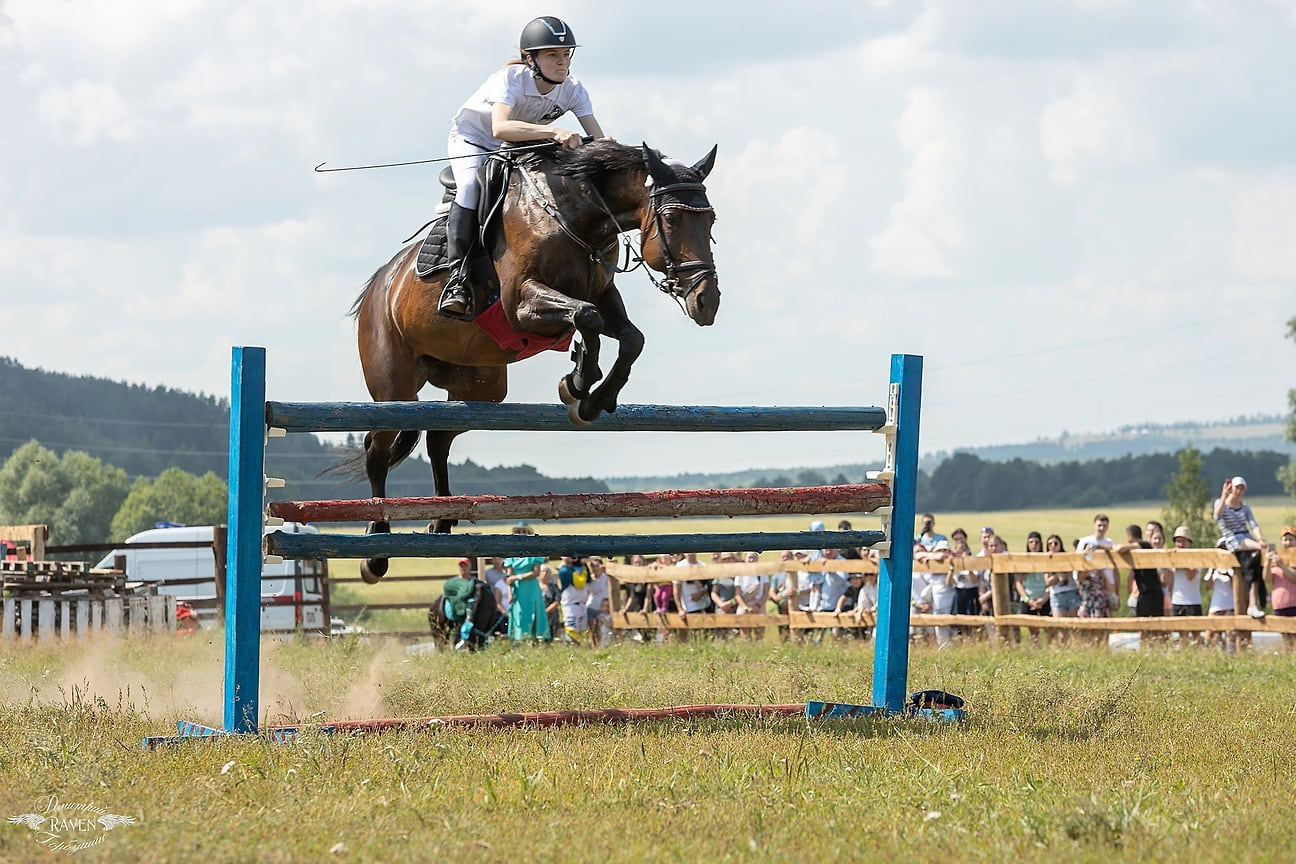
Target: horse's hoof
(566,393)
(573,414)
(372,570)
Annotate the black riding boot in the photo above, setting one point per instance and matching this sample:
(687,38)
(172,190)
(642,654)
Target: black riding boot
(461,232)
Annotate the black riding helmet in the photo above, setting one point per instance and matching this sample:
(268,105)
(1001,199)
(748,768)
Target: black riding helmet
(546,32)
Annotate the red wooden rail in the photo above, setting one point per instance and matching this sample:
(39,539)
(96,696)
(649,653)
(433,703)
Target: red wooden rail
(554,718)
(852,498)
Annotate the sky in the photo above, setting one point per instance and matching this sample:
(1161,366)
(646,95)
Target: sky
(1080,213)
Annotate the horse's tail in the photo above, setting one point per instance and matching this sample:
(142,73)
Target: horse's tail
(351,467)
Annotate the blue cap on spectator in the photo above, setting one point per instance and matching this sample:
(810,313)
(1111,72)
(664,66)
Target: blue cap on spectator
(816,525)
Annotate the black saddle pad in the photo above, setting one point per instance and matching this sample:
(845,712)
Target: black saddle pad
(432,253)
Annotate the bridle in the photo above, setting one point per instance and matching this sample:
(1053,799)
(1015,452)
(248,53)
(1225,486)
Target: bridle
(683,278)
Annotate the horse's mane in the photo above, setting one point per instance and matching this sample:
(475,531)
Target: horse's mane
(597,159)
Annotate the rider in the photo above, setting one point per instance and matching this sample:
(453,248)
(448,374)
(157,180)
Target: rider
(514,104)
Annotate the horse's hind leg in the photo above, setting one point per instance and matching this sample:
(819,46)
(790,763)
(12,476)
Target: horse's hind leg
(379,447)
(438,450)
(462,384)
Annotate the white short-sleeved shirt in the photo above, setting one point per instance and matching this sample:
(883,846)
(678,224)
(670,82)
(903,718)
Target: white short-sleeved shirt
(598,592)
(575,608)
(514,85)
(498,582)
(1092,542)
(1221,599)
(1187,587)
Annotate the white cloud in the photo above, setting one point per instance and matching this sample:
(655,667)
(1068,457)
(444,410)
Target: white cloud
(1091,128)
(923,233)
(86,113)
(1263,244)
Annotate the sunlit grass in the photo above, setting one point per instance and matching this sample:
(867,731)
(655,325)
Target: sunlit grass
(1075,754)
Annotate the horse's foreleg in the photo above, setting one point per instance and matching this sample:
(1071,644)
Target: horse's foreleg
(438,450)
(577,384)
(549,312)
(630,342)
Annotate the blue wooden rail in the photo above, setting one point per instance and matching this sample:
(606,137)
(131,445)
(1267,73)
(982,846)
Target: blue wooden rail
(409,545)
(465,416)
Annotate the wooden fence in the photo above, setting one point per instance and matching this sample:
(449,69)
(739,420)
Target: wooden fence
(44,599)
(998,568)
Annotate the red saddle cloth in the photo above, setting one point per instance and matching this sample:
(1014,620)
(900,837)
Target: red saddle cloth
(493,323)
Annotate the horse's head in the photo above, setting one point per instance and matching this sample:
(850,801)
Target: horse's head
(676,233)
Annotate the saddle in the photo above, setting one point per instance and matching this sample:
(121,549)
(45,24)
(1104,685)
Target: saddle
(494,176)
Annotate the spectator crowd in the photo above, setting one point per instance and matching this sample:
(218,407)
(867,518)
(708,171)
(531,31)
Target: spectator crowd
(571,600)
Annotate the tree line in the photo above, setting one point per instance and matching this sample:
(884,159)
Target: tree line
(968,482)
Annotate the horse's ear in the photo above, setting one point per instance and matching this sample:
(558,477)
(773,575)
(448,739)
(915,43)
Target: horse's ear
(706,163)
(661,174)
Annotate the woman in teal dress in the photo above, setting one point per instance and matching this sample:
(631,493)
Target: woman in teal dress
(527,618)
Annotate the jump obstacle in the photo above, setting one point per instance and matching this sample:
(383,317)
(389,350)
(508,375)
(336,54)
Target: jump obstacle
(890,495)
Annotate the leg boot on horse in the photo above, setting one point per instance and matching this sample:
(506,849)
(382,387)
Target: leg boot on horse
(461,233)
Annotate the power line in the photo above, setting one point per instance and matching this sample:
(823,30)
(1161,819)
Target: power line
(85,418)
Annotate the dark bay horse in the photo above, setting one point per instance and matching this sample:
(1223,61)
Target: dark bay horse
(554,254)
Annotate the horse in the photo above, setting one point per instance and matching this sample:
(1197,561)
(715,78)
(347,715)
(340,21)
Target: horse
(554,256)
(485,617)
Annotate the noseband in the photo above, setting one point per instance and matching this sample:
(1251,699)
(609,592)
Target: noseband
(682,278)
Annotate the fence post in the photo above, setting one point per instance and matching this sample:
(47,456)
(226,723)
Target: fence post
(1001,602)
(895,577)
(220,550)
(243,556)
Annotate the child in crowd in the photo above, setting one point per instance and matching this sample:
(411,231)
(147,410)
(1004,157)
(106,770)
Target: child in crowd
(575,599)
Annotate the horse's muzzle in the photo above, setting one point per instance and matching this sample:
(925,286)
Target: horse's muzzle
(703,302)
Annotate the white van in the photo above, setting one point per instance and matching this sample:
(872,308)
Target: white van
(294,601)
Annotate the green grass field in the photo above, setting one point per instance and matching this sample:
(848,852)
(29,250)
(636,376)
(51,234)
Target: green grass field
(1075,755)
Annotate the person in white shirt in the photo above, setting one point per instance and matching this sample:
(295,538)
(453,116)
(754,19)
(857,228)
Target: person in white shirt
(497,579)
(1185,589)
(691,596)
(575,606)
(600,601)
(1098,604)
(1221,601)
(927,537)
(517,103)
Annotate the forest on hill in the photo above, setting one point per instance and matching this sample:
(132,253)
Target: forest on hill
(146,430)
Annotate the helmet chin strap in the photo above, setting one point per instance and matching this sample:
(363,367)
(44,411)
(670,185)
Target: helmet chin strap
(534,66)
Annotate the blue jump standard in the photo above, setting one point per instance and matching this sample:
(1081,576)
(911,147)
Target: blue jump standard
(409,545)
(519,417)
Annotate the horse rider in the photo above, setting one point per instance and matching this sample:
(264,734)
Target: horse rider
(516,103)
